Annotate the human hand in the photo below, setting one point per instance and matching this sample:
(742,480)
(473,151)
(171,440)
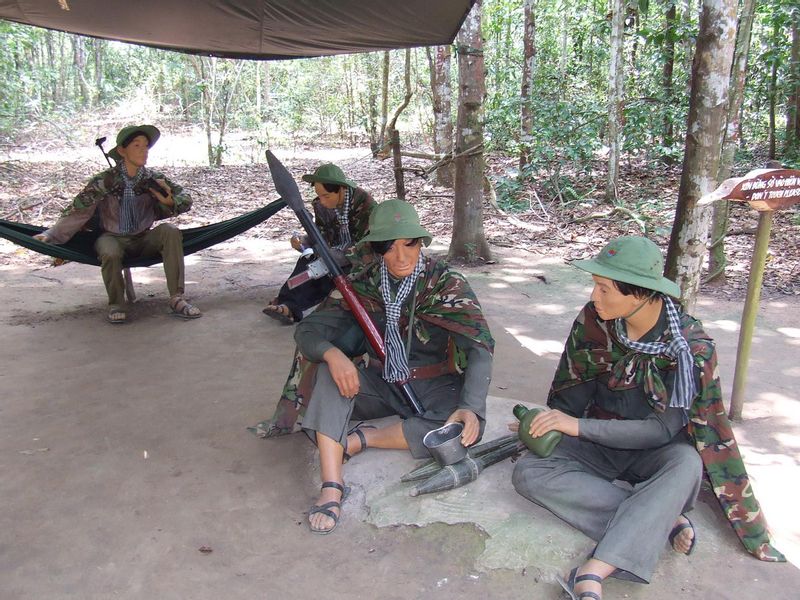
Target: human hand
(513,426)
(472,426)
(554,420)
(296,243)
(42,237)
(159,195)
(343,372)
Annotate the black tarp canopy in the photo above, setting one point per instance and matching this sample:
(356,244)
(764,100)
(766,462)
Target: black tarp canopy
(259,29)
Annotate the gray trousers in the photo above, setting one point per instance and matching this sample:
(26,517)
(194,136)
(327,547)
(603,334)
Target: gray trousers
(329,412)
(630,525)
(164,239)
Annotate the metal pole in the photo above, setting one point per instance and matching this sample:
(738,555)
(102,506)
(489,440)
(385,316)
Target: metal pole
(749,313)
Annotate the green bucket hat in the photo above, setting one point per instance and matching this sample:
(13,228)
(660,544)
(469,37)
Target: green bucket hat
(152,133)
(395,220)
(631,259)
(328,173)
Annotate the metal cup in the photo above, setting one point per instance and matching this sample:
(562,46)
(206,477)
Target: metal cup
(445,445)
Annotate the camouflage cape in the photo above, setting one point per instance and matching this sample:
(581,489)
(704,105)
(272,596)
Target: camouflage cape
(593,349)
(443,298)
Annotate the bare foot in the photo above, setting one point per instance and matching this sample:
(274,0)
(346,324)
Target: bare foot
(279,312)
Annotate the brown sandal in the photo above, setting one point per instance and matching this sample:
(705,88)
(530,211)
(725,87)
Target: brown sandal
(182,309)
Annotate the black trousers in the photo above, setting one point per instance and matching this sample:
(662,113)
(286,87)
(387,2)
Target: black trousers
(305,296)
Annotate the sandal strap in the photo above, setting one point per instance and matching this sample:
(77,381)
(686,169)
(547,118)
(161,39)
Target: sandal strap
(361,438)
(333,484)
(591,595)
(589,577)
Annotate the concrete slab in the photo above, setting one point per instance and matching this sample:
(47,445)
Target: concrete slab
(126,470)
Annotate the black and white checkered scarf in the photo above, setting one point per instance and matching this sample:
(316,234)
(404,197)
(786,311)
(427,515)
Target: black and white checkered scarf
(395,367)
(128,218)
(677,349)
(343,216)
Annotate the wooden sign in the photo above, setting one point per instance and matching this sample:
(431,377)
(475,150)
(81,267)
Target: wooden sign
(762,189)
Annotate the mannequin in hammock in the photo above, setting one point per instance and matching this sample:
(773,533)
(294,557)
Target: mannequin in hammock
(125,201)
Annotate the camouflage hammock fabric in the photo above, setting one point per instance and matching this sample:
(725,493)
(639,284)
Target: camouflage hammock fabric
(592,350)
(443,298)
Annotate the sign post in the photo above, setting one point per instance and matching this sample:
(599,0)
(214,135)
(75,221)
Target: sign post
(766,190)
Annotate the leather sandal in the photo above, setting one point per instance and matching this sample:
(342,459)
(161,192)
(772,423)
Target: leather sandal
(677,529)
(573,579)
(279,312)
(325,509)
(180,308)
(116,316)
(361,438)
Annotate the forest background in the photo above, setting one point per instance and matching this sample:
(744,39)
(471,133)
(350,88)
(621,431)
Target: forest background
(547,114)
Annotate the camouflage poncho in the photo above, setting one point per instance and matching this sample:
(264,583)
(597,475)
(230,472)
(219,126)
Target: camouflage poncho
(593,349)
(443,298)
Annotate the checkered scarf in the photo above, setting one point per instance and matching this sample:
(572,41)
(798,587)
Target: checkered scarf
(128,219)
(395,366)
(684,391)
(343,215)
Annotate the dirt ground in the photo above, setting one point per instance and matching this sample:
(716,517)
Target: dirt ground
(127,470)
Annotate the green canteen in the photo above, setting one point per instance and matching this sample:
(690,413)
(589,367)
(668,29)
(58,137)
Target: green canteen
(544,444)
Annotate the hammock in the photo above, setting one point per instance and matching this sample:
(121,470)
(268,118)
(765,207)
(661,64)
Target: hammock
(81,247)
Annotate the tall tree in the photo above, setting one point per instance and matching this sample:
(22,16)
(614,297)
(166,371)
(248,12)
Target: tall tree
(526,92)
(792,146)
(719,222)
(468,241)
(616,87)
(441,93)
(705,128)
(668,69)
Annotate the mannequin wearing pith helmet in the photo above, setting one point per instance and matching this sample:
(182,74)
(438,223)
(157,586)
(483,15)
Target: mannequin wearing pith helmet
(436,338)
(636,379)
(125,201)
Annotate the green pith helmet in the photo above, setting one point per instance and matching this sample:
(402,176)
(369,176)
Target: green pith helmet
(328,173)
(149,131)
(395,220)
(634,260)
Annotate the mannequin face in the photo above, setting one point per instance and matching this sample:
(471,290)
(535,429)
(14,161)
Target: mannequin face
(135,153)
(329,199)
(401,258)
(609,302)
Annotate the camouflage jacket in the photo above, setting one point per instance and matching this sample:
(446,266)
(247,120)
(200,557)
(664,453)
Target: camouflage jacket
(443,298)
(593,349)
(97,206)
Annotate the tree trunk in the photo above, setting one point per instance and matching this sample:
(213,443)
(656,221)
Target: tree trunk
(469,241)
(670,25)
(79,63)
(441,92)
(528,58)
(705,127)
(772,91)
(792,146)
(384,102)
(97,48)
(615,98)
(719,223)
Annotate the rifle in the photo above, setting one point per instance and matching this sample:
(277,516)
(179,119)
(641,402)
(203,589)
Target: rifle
(286,186)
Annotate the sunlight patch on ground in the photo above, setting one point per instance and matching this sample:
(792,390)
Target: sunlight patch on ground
(499,286)
(792,332)
(538,347)
(723,324)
